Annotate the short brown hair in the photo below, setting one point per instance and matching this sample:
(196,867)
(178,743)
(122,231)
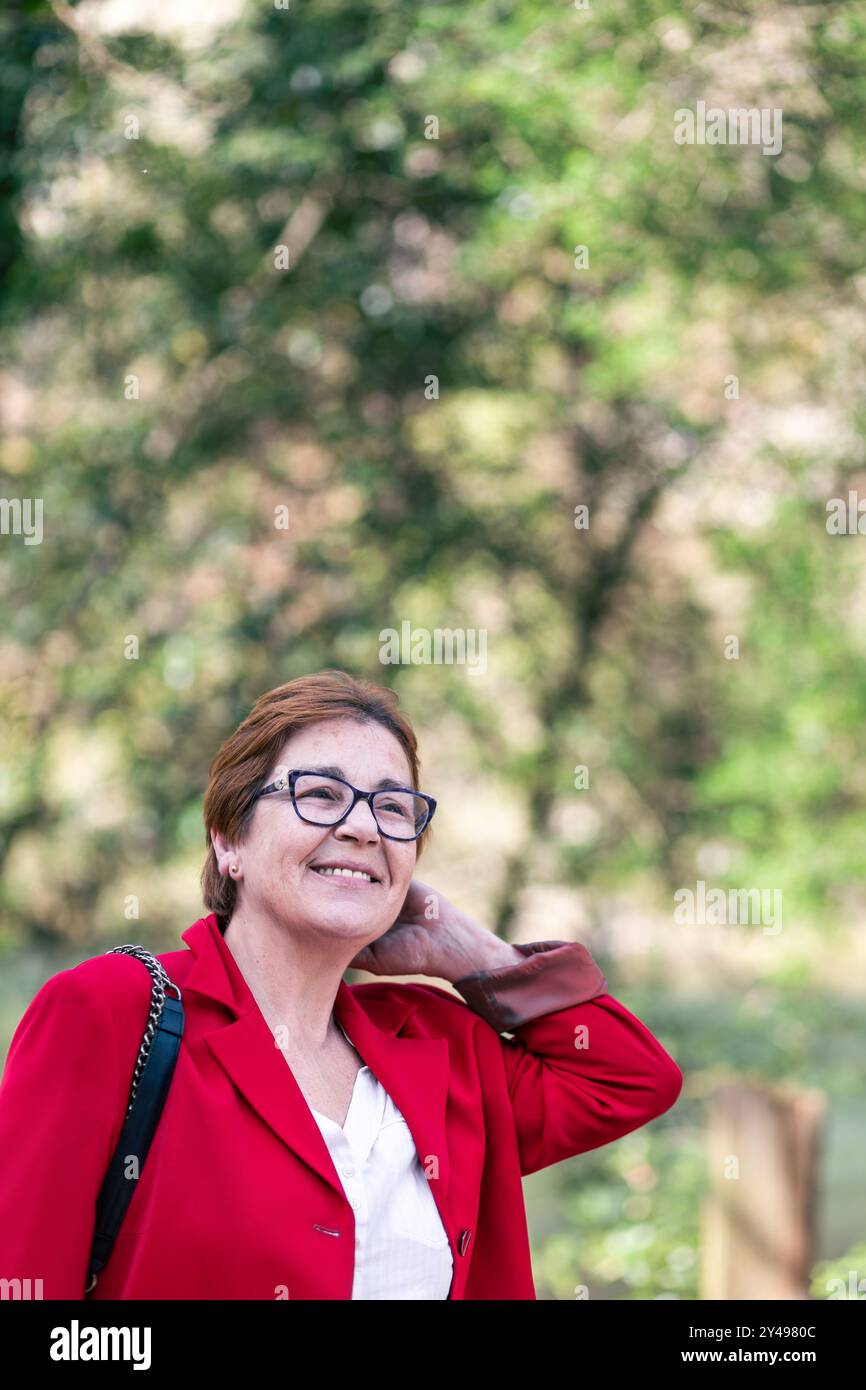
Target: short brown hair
(244,761)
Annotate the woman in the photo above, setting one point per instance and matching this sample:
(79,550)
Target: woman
(319,1140)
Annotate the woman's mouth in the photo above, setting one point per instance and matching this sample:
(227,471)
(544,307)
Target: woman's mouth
(354,878)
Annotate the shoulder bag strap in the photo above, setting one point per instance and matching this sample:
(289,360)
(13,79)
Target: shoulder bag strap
(151,1078)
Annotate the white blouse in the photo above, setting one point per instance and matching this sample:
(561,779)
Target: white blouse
(401,1247)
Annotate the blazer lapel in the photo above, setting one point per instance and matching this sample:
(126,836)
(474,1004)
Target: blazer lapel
(414,1071)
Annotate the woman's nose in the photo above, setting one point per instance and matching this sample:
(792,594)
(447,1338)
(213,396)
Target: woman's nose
(361,821)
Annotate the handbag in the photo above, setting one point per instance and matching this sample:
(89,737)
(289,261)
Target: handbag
(151,1079)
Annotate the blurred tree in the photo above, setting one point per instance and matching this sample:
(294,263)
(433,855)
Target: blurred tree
(430,388)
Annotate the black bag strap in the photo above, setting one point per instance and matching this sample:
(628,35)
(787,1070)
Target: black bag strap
(151,1079)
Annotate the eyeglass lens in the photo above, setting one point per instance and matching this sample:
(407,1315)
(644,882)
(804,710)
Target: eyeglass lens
(324,801)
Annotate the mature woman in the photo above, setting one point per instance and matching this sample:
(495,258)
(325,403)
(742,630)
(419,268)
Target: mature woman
(319,1140)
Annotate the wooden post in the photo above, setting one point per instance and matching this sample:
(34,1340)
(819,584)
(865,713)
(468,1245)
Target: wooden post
(758,1217)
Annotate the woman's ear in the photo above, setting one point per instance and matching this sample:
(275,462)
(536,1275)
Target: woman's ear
(224,851)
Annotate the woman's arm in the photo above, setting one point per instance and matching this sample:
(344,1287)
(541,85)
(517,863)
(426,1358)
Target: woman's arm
(581,1069)
(59,1099)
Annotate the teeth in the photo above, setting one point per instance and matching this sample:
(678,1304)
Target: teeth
(347,873)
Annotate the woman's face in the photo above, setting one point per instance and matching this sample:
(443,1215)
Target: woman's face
(277,875)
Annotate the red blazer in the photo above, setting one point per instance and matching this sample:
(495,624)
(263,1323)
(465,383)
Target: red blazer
(238,1197)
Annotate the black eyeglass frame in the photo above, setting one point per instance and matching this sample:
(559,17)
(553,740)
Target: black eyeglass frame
(288,780)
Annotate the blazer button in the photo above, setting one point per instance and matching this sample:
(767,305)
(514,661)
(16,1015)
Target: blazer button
(465,1237)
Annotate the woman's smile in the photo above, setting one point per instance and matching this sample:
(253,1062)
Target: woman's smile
(345,878)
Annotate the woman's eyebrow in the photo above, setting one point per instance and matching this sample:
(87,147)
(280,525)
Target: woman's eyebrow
(384,782)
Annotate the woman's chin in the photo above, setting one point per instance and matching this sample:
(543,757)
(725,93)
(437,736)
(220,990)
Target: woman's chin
(348,920)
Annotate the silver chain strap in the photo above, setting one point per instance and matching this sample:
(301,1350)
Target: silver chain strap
(160,983)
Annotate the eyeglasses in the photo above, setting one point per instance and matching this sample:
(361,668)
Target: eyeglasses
(400,813)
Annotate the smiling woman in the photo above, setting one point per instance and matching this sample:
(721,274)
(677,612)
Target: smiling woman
(319,1140)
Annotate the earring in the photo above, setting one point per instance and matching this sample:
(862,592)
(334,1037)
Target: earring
(233,869)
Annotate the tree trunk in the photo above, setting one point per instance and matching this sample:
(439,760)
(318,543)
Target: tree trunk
(759,1215)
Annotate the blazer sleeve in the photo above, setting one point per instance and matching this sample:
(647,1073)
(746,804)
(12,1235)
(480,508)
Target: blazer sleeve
(61,1111)
(581,1069)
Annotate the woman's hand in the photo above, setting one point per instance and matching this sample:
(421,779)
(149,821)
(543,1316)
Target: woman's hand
(446,946)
